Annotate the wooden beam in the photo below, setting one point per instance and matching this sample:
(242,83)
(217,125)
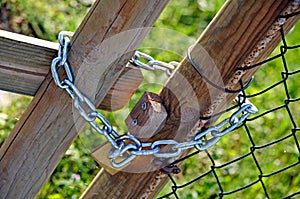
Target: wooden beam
(100,48)
(25,62)
(229,41)
(121,92)
(147,116)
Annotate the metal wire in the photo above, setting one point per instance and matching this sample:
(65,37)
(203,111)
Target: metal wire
(263,178)
(197,68)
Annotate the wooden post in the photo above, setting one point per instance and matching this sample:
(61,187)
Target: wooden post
(229,41)
(25,62)
(100,48)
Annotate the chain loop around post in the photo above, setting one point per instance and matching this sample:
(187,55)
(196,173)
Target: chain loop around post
(54,69)
(126,147)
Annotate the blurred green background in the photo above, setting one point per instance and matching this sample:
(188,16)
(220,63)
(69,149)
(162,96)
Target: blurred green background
(177,28)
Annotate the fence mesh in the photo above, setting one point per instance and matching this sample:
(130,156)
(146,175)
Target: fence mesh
(260,158)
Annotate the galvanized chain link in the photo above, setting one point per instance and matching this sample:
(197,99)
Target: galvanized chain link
(126,146)
(152,64)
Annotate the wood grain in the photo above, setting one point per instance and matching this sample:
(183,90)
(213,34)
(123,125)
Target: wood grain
(121,92)
(147,116)
(100,48)
(25,62)
(226,43)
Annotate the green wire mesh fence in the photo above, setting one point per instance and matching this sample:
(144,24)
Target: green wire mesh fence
(260,158)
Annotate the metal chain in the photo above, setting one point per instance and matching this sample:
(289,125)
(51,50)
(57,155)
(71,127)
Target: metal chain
(152,64)
(127,147)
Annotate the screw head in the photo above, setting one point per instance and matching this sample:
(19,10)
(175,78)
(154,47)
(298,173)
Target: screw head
(144,106)
(134,122)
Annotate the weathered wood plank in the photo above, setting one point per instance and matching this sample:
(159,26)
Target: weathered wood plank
(100,48)
(25,62)
(121,92)
(228,41)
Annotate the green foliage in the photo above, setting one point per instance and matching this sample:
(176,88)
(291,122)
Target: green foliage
(266,129)
(10,115)
(182,22)
(72,176)
(45,19)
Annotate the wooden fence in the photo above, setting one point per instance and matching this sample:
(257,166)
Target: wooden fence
(45,131)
